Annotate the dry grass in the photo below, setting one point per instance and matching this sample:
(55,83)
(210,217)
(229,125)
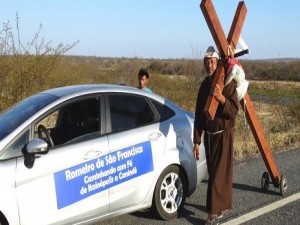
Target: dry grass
(281,133)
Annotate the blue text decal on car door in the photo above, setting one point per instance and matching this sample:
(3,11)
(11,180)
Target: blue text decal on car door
(86,179)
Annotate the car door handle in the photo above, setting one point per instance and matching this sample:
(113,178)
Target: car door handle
(155,136)
(92,154)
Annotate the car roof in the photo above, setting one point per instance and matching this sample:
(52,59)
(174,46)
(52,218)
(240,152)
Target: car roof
(87,88)
(66,92)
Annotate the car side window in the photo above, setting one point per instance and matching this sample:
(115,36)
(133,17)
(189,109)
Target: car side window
(74,122)
(129,112)
(49,122)
(163,111)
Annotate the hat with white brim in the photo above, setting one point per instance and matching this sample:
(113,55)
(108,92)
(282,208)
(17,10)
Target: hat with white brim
(211,53)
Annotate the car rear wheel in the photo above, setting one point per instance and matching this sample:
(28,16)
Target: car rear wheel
(170,193)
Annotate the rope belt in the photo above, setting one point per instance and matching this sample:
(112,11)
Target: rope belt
(217,132)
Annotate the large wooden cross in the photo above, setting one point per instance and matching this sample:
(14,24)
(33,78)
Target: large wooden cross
(211,105)
(222,44)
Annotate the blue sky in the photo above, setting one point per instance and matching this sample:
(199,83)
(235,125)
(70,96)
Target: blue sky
(155,28)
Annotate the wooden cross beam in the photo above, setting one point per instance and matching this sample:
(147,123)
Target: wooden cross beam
(260,139)
(211,105)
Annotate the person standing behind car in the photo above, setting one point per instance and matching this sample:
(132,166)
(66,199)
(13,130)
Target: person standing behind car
(143,78)
(218,139)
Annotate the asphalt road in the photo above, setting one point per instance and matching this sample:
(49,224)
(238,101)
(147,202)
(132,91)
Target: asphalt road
(248,198)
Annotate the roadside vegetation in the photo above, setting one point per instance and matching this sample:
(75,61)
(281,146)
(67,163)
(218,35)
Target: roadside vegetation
(24,67)
(274,84)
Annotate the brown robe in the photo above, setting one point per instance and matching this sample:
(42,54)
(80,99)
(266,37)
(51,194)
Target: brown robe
(218,146)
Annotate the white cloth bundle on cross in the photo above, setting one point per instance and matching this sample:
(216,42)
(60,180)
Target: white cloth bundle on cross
(234,71)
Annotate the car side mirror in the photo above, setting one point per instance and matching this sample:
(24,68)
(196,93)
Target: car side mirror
(35,147)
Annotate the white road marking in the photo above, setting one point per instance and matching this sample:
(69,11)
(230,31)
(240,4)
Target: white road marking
(263,210)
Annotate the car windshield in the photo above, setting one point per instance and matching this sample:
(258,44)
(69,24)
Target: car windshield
(13,117)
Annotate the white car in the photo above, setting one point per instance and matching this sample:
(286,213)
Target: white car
(80,154)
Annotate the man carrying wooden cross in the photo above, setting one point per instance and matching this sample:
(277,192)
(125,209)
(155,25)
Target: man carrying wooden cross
(218,138)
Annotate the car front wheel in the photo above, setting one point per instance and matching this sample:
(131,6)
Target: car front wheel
(170,193)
